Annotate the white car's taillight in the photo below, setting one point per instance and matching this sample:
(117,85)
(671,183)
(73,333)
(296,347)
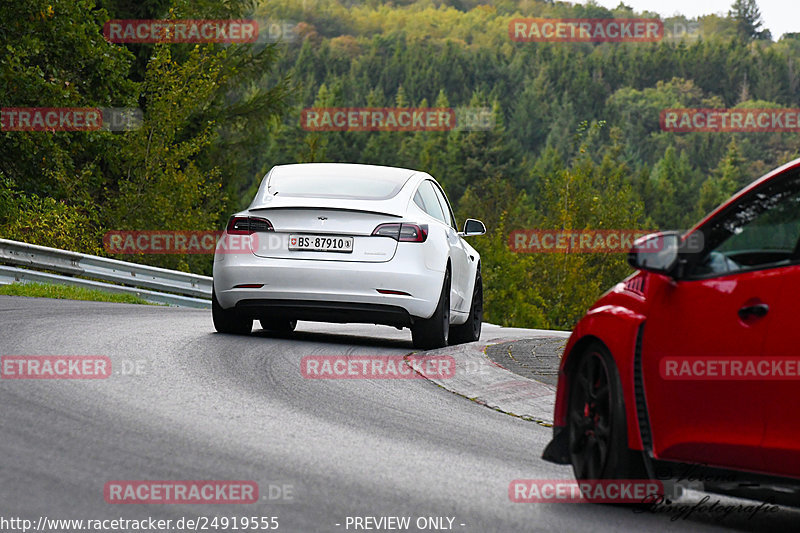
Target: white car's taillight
(403,232)
(248,225)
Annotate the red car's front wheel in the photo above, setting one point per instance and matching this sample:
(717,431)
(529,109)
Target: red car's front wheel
(598,443)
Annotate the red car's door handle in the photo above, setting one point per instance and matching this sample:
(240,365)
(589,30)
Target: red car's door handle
(756,311)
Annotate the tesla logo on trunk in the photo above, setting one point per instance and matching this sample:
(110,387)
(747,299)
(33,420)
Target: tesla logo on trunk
(322,220)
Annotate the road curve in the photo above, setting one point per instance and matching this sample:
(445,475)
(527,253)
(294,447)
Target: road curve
(219,407)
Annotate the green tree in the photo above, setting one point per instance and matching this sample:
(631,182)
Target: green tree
(162,187)
(584,196)
(748,20)
(673,183)
(725,180)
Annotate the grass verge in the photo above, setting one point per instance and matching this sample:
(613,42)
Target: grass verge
(66,292)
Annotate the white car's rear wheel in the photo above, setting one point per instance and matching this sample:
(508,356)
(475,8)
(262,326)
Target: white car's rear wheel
(433,332)
(470,331)
(227,320)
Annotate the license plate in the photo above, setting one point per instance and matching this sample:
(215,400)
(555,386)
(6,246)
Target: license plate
(321,243)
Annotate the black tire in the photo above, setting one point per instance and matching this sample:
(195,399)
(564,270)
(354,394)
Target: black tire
(598,437)
(227,320)
(433,332)
(470,331)
(282,325)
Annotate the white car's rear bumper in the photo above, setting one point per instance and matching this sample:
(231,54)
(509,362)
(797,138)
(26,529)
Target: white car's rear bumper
(328,290)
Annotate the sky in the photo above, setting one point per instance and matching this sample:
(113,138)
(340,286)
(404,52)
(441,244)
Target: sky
(780,16)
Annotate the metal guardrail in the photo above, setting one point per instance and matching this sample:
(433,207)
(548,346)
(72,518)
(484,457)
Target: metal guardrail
(162,285)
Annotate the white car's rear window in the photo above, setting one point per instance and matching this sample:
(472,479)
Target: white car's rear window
(347,187)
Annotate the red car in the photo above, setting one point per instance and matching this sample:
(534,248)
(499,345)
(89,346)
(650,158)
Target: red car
(693,361)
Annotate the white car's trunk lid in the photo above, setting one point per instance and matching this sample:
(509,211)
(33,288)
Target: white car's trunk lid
(349,226)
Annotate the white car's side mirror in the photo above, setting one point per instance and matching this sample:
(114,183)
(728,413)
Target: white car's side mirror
(472,228)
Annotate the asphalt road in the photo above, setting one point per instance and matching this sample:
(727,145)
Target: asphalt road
(219,407)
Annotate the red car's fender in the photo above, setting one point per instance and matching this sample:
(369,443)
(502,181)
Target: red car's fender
(615,323)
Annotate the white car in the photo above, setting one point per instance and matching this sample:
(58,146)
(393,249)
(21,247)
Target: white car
(335,242)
